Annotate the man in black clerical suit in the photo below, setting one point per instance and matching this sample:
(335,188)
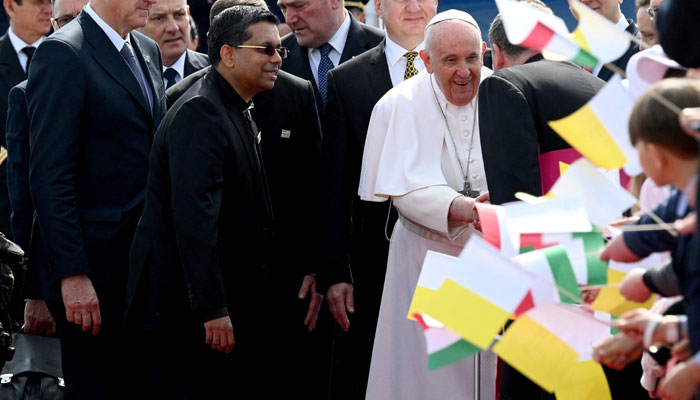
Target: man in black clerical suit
(29,22)
(168,25)
(95,97)
(354,230)
(610,9)
(520,149)
(291,149)
(201,276)
(323,36)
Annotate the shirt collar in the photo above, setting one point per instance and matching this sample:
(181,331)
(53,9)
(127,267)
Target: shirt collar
(622,23)
(341,35)
(394,52)
(179,65)
(113,36)
(19,44)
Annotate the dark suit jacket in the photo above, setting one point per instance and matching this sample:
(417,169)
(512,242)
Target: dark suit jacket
(207,221)
(11,73)
(605,74)
(361,38)
(515,105)
(291,146)
(354,229)
(195,61)
(91,131)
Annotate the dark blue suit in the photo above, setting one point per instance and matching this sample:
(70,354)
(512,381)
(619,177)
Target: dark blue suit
(37,282)
(91,132)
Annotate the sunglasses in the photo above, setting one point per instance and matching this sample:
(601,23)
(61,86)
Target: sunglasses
(268,50)
(652,12)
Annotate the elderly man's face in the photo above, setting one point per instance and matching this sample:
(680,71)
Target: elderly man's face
(168,26)
(646,28)
(31,19)
(131,13)
(254,70)
(455,59)
(313,22)
(405,18)
(64,11)
(608,8)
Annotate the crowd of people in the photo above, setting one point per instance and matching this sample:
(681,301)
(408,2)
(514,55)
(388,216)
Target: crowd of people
(252,221)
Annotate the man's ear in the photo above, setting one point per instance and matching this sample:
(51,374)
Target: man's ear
(9,8)
(378,8)
(426,61)
(228,56)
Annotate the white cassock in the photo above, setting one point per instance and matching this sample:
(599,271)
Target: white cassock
(411,158)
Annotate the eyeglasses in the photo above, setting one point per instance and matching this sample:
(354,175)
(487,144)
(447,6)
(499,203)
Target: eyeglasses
(268,50)
(63,20)
(651,11)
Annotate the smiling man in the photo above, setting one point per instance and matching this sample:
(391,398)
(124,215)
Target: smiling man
(201,279)
(169,27)
(433,174)
(95,98)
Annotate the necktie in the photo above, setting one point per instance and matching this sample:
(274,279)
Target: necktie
(169,75)
(130,59)
(29,51)
(323,68)
(410,67)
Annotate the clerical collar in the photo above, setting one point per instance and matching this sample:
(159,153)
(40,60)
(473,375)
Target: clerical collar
(536,57)
(229,94)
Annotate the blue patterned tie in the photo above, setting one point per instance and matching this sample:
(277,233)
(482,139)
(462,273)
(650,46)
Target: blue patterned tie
(128,56)
(323,68)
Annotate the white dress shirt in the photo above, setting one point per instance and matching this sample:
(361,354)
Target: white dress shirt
(19,45)
(396,60)
(179,67)
(337,43)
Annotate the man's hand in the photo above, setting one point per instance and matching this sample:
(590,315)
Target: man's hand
(617,352)
(340,298)
(633,323)
(617,250)
(680,382)
(219,334)
(37,318)
(687,225)
(633,287)
(462,210)
(309,285)
(80,300)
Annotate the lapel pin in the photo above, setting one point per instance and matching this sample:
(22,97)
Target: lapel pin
(286,133)
(146,58)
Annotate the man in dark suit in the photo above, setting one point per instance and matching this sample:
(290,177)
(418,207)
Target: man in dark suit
(169,27)
(37,282)
(30,21)
(323,36)
(610,9)
(95,96)
(201,256)
(354,230)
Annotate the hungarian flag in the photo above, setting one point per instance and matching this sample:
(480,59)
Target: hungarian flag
(444,346)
